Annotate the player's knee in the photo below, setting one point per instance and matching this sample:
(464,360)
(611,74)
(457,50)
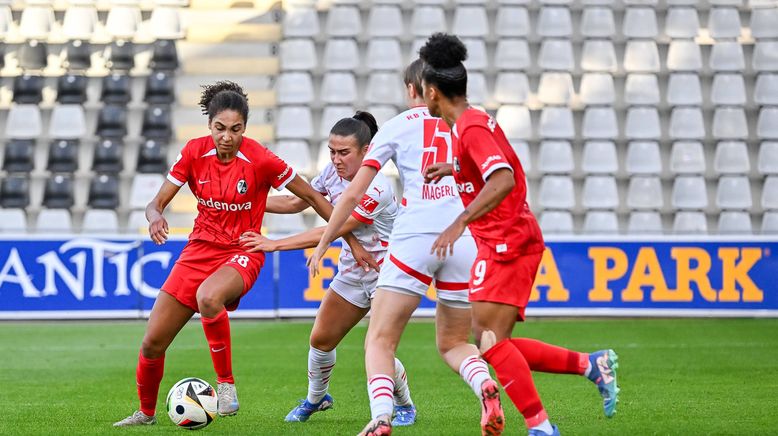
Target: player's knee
(152,349)
(321,342)
(208,304)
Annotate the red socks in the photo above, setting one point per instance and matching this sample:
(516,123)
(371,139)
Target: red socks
(147,376)
(217,333)
(550,358)
(516,379)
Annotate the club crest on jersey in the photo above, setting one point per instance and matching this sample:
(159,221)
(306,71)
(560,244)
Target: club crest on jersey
(242,186)
(456,164)
(491,124)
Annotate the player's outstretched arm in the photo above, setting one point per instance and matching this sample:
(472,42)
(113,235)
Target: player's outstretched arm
(253,241)
(285,204)
(158,227)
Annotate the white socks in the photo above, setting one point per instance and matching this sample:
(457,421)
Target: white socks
(320,364)
(545,427)
(380,389)
(474,372)
(402,393)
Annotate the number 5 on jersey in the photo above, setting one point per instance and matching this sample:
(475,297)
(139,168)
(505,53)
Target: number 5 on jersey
(437,143)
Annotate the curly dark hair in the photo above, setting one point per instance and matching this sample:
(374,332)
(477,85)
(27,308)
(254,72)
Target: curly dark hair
(443,55)
(224,95)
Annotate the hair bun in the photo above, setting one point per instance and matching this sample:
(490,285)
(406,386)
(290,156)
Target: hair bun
(443,51)
(369,119)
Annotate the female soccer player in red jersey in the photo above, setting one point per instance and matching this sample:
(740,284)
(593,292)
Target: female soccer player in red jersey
(493,189)
(230,175)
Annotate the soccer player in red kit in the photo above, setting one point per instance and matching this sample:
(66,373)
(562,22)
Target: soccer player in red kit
(492,185)
(230,175)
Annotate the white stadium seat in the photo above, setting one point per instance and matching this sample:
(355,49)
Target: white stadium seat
(343,22)
(727,56)
(554,22)
(730,123)
(556,122)
(731,158)
(729,89)
(640,23)
(330,116)
(294,122)
(690,222)
(509,88)
(55,221)
(68,121)
(36,22)
(765,56)
(724,23)
(514,121)
(641,89)
(426,20)
(689,192)
(644,222)
(766,89)
(684,89)
(165,23)
(385,21)
(556,54)
(599,55)
(597,89)
(338,88)
(122,21)
(555,88)
(296,153)
(522,151)
(601,222)
(512,54)
(476,54)
(735,222)
(643,157)
(600,123)
(641,56)
(767,123)
(477,92)
(598,22)
(556,222)
(384,88)
(297,54)
(470,21)
(642,123)
(24,122)
(301,22)
(511,22)
(79,22)
(100,221)
(600,192)
(733,192)
(770,222)
(556,192)
(763,22)
(294,88)
(13,221)
(645,193)
(768,158)
(770,193)
(143,189)
(687,157)
(599,157)
(341,54)
(686,123)
(555,157)
(684,55)
(682,22)
(384,54)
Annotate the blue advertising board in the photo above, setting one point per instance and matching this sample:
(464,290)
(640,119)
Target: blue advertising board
(74,276)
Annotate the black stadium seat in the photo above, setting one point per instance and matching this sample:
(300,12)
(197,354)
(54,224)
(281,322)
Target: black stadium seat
(32,56)
(19,155)
(160,88)
(63,156)
(108,156)
(157,122)
(15,191)
(28,89)
(78,56)
(112,121)
(152,157)
(58,193)
(116,89)
(71,89)
(120,56)
(164,55)
(104,192)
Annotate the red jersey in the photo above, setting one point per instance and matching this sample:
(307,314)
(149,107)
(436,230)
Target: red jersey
(479,149)
(230,196)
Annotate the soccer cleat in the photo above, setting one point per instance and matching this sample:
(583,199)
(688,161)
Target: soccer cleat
(492,416)
(227,399)
(539,432)
(404,416)
(302,412)
(603,374)
(137,418)
(377,427)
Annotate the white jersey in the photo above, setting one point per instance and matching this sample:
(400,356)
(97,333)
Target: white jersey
(377,210)
(413,140)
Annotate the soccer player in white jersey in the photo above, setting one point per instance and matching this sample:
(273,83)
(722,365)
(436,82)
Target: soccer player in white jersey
(414,140)
(348,299)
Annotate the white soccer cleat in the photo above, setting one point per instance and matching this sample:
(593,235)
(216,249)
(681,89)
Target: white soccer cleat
(227,399)
(137,418)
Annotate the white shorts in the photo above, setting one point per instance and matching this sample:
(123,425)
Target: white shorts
(410,268)
(357,293)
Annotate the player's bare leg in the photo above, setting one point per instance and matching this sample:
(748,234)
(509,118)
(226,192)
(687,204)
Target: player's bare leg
(168,317)
(335,318)
(217,290)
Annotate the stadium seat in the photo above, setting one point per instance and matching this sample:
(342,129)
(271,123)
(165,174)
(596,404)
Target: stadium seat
(13,221)
(116,89)
(77,55)
(556,122)
(15,191)
(426,20)
(470,22)
(104,192)
(645,223)
(770,222)
(641,56)
(724,23)
(512,54)
(690,222)
(54,221)
(597,89)
(339,88)
(734,192)
(297,54)
(767,160)
(599,157)
(19,155)
(165,23)
(477,93)
(108,155)
(32,56)
(600,192)
(476,54)
(284,224)
(556,192)
(522,151)
(555,157)
(598,22)
(152,157)
(36,22)
(136,222)
(731,158)
(301,22)
(556,54)
(729,89)
(384,88)
(120,56)
(766,89)
(112,121)
(555,88)
(684,55)
(100,221)
(160,88)
(641,89)
(294,88)
(642,123)
(600,123)
(643,157)
(143,189)
(514,121)
(63,156)
(383,113)
(601,222)
(510,88)
(556,222)
(164,55)
(765,56)
(730,123)
(68,121)
(28,89)
(682,22)
(341,54)
(157,122)
(322,156)
(384,54)
(512,22)
(727,56)
(122,21)
(767,123)
(645,193)
(735,222)
(684,89)
(71,89)
(24,122)
(6,19)
(58,193)
(687,157)
(343,22)
(686,123)
(640,22)
(294,122)
(385,21)
(296,153)
(330,116)
(763,23)
(770,193)
(689,192)
(554,22)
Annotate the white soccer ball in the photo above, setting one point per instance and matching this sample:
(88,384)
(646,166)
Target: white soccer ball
(191,403)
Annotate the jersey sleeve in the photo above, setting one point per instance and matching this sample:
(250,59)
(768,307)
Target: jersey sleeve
(377,198)
(382,148)
(482,148)
(318,182)
(182,168)
(277,172)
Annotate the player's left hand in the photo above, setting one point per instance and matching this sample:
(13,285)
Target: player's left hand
(444,245)
(315,259)
(363,257)
(254,242)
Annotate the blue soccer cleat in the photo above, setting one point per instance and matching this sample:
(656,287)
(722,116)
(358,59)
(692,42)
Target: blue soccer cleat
(404,416)
(603,374)
(538,432)
(304,411)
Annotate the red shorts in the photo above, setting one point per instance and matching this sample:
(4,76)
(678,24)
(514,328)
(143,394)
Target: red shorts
(200,259)
(507,282)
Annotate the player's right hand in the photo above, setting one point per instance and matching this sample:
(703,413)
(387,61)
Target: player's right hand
(158,230)
(433,173)
(315,259)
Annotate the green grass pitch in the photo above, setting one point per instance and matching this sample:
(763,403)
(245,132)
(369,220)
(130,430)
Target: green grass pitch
(688,376)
